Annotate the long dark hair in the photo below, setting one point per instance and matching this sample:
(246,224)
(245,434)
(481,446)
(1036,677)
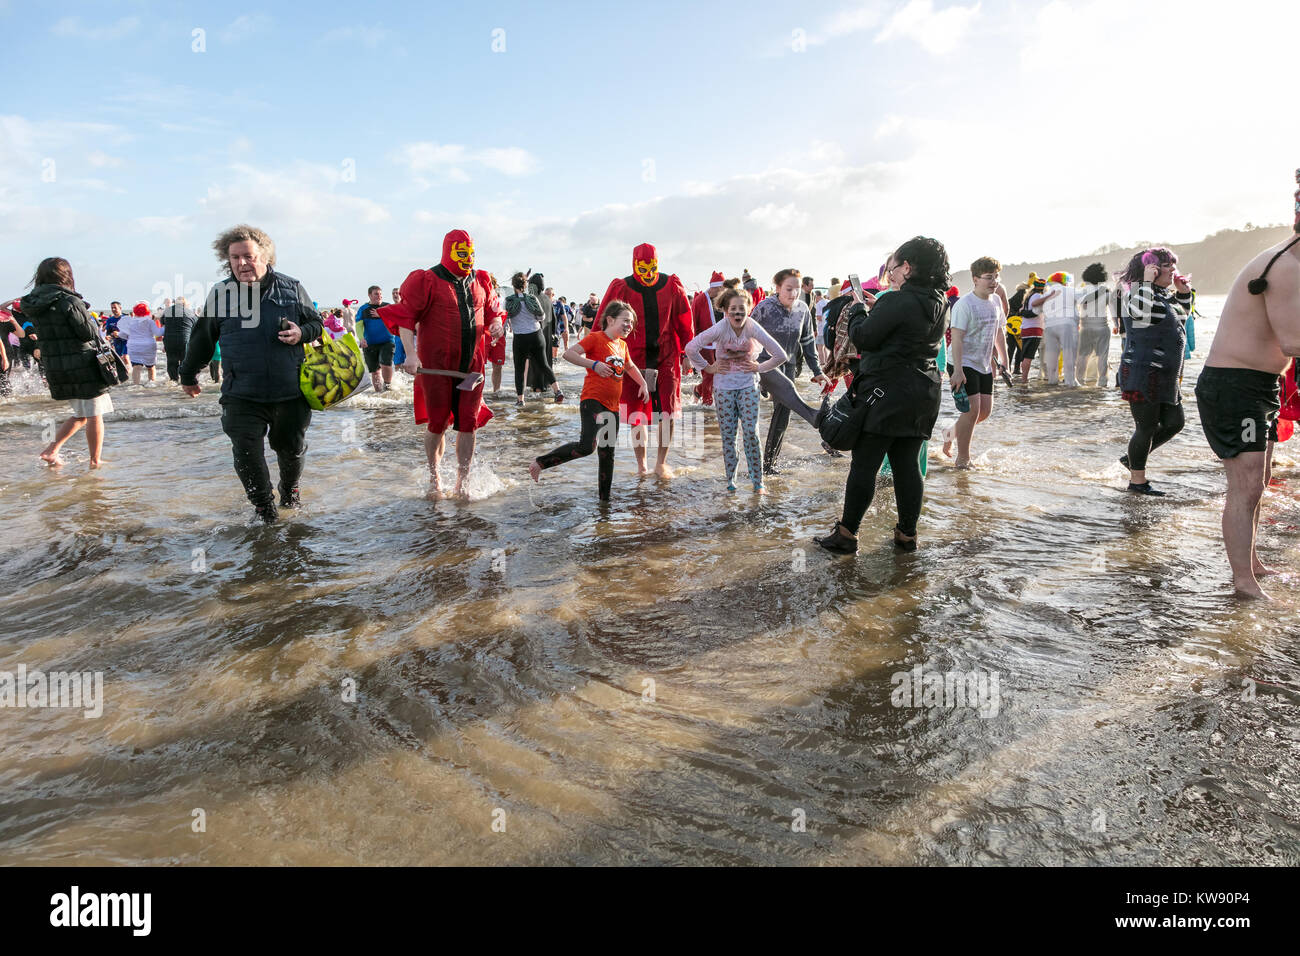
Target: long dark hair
(55,271)
(929,262)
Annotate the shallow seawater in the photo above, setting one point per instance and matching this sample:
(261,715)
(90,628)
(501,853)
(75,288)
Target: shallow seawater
(678,677)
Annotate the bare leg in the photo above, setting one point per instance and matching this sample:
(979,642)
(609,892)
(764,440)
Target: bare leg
(1257,565)
(464,455)
(1240,514)
(388,374)
(135,374)
(95,440)
(640,438)
(433,445)
(153,373)
(496,378)
(69,428)
(661,453)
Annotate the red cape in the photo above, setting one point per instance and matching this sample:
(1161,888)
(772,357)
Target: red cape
(663,305)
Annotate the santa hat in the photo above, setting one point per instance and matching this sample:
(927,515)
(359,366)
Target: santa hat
(141,309)
(716,280)
(954,292)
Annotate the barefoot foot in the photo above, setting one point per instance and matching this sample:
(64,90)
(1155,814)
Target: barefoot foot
(663,471)
(51,458)
(535,470)
(1249,590)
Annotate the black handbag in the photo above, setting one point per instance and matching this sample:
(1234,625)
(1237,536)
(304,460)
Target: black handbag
(843,423)
(111,367)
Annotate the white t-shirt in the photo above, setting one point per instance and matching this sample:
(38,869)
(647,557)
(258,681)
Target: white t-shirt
(1061,310)
(980,320)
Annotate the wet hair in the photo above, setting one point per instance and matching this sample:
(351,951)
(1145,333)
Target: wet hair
(517,282)
(243,233)
(54,271)
(1135,270)
(783,275)
(929,262)
(614,310)
(1095,273)
(984,264)
(373,288)
(728,295)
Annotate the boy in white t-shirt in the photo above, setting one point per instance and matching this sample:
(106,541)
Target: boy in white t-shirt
(977,322)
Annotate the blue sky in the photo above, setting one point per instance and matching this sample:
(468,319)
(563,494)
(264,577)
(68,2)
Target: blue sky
(743,135)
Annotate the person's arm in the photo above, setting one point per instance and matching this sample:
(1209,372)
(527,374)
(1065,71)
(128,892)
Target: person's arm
(634,373)
(702,341)
(576,356)
(1282,303)
(808,345)
(779,356)
(202,346)
(869,330)
(310,326)
(1001,291)
(958,377)
(1000,341)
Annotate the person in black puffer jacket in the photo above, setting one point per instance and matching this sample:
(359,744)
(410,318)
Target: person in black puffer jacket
(260,318)
(178,323)
(898,340)
(69,338)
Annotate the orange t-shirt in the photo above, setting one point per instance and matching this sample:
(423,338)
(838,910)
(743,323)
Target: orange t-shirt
(599,347)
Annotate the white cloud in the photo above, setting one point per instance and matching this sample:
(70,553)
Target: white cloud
(304,196)
(429,162)
(772,217)
(73,28)
(245,26)
(98,159)
(938,32)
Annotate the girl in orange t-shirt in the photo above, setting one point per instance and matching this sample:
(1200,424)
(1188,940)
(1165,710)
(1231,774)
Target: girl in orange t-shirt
(604,355)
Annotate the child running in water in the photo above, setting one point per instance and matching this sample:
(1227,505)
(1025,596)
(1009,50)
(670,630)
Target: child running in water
(604,355)
(738,340)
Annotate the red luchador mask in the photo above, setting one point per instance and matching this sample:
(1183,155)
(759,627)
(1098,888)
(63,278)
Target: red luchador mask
(458,252)
(645,264)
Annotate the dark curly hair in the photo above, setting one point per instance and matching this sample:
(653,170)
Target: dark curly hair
(929,262)
(1095,273)
(1135,270)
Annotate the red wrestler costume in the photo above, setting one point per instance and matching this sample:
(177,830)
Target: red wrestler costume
(663,327)
(702,319)
(447,308)
(496,350)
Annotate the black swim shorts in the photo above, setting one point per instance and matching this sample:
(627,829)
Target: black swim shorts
(381,353)
(1238,408)
(977,383)
(1029,347)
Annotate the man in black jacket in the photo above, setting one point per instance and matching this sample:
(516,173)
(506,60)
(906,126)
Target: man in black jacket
(261,319)
(178,322)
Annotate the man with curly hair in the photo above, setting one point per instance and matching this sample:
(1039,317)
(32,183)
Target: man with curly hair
(260,318)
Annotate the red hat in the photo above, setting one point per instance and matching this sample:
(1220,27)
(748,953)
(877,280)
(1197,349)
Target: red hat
(458,253)
(141,309)
(715,280)
(15,305)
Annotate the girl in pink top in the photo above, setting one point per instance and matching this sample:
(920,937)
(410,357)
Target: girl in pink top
(738,340)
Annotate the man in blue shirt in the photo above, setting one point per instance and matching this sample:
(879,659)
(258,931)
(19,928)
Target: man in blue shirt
(376,340)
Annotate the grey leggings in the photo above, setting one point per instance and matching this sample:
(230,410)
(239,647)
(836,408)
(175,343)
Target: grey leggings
(784,400)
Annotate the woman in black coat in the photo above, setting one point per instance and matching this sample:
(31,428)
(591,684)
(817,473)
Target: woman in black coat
(899,341)
(69,339)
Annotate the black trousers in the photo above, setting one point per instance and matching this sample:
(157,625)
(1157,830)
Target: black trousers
(175,355)
(1156,423)
(531,346)
(599,434)
(909,487)
(248,424)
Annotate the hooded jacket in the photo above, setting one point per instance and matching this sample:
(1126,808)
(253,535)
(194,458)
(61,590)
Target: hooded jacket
(69,338)
(898,341)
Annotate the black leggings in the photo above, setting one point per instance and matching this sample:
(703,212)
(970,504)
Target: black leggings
(909,487)
(599,434)
(175,355)
(1156,422)
(1013,352)
(531,345)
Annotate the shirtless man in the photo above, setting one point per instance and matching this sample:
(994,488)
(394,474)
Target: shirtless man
(1238,395)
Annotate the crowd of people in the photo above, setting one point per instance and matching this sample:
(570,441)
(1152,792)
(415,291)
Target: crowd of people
(888,341)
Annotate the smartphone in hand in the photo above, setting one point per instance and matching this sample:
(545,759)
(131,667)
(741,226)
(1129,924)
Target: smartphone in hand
(855,287)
